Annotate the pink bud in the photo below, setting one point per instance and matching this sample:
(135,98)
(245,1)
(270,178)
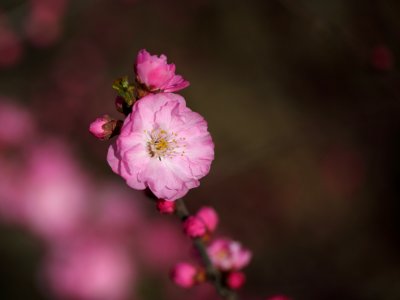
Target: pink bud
(184,275)
(235,280)
(165,207)
(194,227)
(209,216)
(100,127)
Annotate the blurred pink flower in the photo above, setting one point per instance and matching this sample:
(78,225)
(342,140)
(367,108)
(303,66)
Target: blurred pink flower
(90,269)
(163,145)
(235,280)
(44,23)
(228,255)
(18,125)
(194,227)
(56,191)
(184,275)
(209,216)
(154,72)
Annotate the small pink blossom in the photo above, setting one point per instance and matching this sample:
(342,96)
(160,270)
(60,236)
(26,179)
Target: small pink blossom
(184,275)
(194,227)
(164,146)
(154,72)
(235,280)
(209,216)
(165,207)
(228,255)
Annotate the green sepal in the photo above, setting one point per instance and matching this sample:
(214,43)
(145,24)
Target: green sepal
(125,90)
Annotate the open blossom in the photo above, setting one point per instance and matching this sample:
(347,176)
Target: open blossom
(154,72)
(228,255)
(164,146)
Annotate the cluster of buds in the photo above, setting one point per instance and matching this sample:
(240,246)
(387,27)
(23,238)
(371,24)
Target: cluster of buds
(226,255)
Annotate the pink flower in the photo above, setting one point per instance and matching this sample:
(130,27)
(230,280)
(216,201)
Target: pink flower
(164,146)
(194,227)
(209,216)
(184,275)
(154,72)
(165,207)
(235,280)
(228,255)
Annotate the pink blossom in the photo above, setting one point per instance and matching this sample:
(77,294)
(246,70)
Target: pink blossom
(184,275)
(90,269)
(194,227)
(165,207)
(235,280)
(164,146)
(154,72)
(228,255)
(209,216)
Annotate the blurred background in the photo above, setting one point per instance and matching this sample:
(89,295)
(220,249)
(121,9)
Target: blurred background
(302,99)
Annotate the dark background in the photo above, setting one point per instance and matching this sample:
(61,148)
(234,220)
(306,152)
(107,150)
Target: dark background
(302,100)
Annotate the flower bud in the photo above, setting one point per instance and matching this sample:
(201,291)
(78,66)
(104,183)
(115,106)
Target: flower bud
(209,216)
(165,207)
(184,275)
(235,280)
(194,227)
(104,127)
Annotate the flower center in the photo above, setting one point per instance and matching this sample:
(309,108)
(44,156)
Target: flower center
(161,144)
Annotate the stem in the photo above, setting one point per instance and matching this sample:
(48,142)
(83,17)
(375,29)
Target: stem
(212,273)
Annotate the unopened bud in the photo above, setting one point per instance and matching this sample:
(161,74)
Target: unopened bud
(165,207)
(184,275)
(194,227)
(104,127)
(235,280)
